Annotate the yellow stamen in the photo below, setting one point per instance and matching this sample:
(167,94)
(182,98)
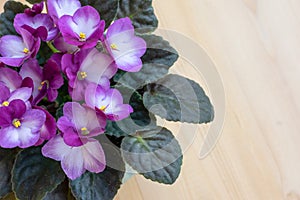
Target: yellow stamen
(82,36)
(25,50)
(113,46)
(83,75)
(5,103)
(42,84)
(16,123)
(103,108)
(84,131)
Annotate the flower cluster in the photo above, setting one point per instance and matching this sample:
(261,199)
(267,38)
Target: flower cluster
(73,32)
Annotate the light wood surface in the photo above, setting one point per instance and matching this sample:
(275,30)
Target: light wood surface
(255,46)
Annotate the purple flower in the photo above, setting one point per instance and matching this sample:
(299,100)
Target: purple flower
(80,123)
(6,97)
(59,8)
(48,130)
(46,80)
(83,29)
(20,127)
(124,46)
(15,50)
(108,101)
(40,25)
(87,66)
(76,160)
(37,8)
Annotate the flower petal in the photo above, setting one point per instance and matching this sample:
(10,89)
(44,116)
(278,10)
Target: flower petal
(59,8)
(4,93)
(94,157)
(56,148)
(22,137)
(34,119)
(10,78)
(23,94)
(73,163)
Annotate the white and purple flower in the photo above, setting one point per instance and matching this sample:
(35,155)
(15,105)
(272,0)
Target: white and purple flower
(20,127)
(46,80)
(84,29)
(124,46)
(110,102)
(76,160)
(87,66)
(40,25)
(15,50)
(79,123)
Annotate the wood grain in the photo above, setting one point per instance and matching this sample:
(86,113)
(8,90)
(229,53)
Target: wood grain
(255,46)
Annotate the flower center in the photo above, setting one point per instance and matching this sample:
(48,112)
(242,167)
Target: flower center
(16,123)
(5,103)
(84,131)
(25,50)
(103,108)
(113,46)
(81,75)
(82,37)
(43,83)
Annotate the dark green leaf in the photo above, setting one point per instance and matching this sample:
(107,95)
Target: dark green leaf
(159,57)
(61,192)
(59,111)
(140,119)
(44,53)
(141,13)
(34,1)
(11,8)
(176,98)
(155,154)
(107,9)
(7,158)
(103,185)
(34,175)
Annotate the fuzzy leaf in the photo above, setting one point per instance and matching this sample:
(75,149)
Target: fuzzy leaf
(107,9)
(176,98)
(141,14)
(7,158)
(11,8)
(154,153)
(34,1)
(34,175)
(44,53)
(159,57)
(61,192)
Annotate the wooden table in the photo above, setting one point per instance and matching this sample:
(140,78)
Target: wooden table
(255,47)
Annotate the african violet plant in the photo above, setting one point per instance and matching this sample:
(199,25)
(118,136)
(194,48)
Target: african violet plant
(80,85)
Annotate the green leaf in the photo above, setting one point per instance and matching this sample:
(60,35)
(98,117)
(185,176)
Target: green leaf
(61,192)
(176,98)
(44,53)
(103,185)
(107,9)
(11,8)
(140,119)
(141,13)
(34,1)
(7,158)
(159,57)
(33,175)
(154,153)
